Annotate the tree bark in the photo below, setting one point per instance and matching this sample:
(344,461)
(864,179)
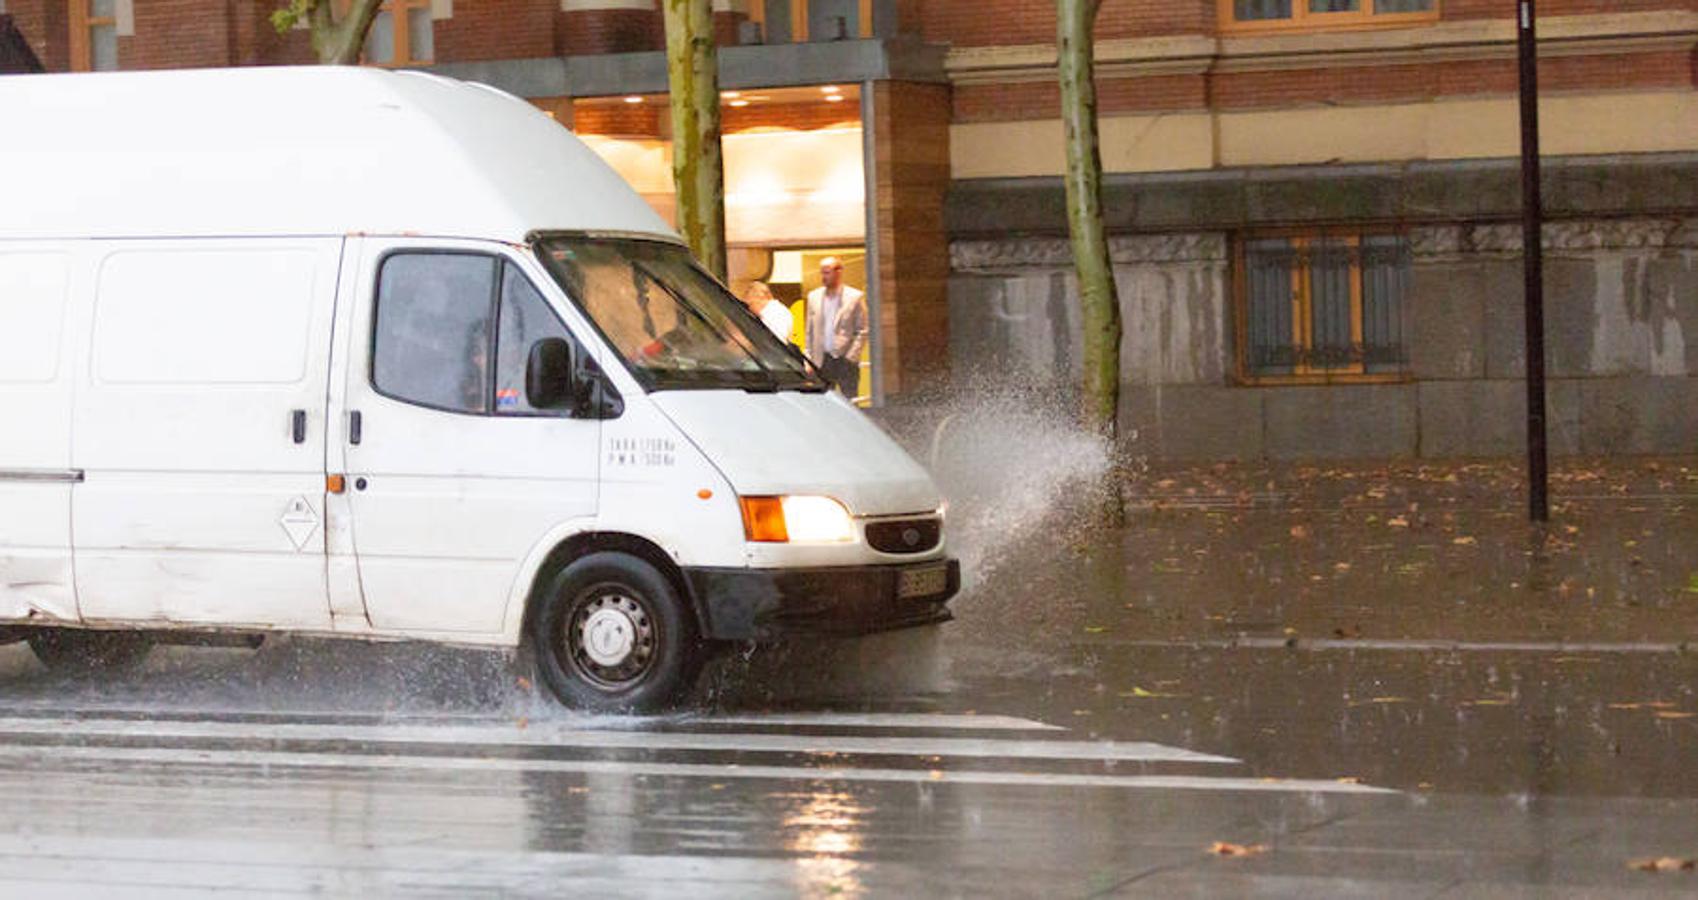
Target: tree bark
(1099,306)
(339,43)
(698,168)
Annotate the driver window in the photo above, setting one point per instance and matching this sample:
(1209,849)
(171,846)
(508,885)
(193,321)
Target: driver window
(432,341)
(525,318)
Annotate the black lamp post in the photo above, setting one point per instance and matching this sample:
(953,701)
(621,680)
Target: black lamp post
(1532,217)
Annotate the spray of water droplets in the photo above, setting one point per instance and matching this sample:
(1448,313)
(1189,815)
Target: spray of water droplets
(1012,461)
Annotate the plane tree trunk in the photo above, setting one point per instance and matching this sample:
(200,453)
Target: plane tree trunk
(336,40)
(1099,307)
(698,168)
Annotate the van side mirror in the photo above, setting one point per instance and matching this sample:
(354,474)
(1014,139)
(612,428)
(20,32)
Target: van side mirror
(550,373)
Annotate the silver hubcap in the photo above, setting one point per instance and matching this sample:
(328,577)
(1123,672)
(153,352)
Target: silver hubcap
(609,635)
(612,639)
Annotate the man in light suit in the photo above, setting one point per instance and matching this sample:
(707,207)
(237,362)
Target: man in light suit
(837,328)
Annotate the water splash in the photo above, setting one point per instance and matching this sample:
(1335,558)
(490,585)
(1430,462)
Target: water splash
(1012,461)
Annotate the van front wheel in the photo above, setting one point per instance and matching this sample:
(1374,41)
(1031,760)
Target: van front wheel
(611,634)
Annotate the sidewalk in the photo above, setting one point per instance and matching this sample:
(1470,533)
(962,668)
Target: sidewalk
(1410,551)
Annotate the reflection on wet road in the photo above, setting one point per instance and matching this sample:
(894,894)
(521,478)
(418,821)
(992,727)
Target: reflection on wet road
(106,799)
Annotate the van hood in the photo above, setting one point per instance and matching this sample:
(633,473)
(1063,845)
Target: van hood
(796,443)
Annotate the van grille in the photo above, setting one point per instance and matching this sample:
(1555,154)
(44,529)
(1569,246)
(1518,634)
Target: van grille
(905,535)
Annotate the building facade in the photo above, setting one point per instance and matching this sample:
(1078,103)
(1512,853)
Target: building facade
(1312,203)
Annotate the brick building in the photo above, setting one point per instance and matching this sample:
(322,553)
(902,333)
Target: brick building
(1312,203)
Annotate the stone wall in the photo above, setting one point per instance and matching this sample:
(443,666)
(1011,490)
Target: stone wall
(1621,310)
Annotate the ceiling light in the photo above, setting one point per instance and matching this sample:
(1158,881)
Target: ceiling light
(834,98)
(633,99)
(730,95)
(738,103)
(830,89)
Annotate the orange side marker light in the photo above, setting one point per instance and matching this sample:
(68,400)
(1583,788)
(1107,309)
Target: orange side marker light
(763,520)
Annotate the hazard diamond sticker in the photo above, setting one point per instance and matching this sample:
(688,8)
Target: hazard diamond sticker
(299,521)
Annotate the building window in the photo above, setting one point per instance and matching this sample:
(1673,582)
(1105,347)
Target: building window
(796,21)
(1314,15)
(94,35)
(1323,307)
(403,34)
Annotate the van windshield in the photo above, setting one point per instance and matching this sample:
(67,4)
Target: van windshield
(675,326)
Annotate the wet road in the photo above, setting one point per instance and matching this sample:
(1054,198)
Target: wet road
(1508,715)
(110,788)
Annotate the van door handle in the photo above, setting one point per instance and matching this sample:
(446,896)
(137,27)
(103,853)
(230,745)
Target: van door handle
(298,425)
(354,427)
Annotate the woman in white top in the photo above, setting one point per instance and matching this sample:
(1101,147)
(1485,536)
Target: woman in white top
(774,314)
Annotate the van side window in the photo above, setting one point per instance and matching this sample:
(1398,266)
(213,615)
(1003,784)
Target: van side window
(432,336)
(525,319)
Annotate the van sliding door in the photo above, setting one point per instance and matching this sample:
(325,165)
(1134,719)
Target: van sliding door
(200,433)
(35,419)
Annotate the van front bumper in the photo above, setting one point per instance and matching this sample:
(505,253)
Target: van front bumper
(768,604)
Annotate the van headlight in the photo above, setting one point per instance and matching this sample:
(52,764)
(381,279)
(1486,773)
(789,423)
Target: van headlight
(796,520)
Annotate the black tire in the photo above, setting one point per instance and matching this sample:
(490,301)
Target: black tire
(633,610)
(69,650)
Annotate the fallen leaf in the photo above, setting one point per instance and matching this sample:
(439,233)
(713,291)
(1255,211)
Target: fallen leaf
(1397,522)
(1300,532)
(1663,864)
(1141,694)
(1095,629)
(1464,541)
(1665,714)
(1222,848)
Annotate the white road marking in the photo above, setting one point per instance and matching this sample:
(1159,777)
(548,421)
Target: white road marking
(258,758)
(545,736)
(1418,645)
(881,720)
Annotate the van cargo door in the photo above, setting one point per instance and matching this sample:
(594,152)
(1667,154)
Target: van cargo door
(200,433)
(35,418)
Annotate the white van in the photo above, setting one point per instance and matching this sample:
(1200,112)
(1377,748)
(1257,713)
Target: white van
(384,355)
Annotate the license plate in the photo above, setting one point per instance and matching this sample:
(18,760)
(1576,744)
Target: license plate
(922,581)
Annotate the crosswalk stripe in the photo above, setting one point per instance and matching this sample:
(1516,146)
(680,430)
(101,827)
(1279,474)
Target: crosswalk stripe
(275,758)
(543,735)
(881,720)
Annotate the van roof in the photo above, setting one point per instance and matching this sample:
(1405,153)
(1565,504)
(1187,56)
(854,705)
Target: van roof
(296,151)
